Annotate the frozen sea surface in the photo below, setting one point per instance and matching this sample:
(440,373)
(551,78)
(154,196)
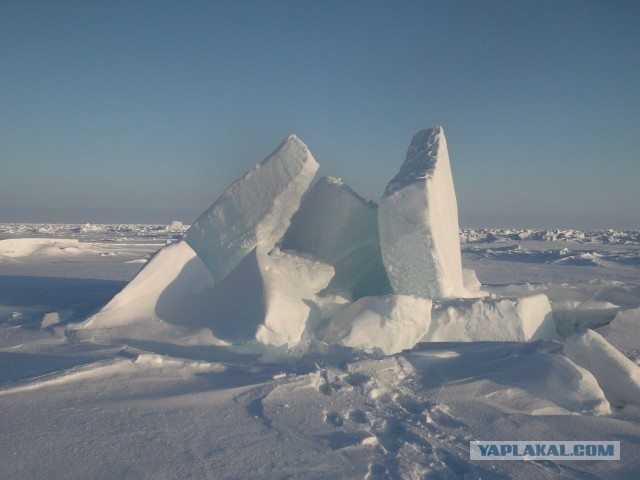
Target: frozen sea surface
(145,409)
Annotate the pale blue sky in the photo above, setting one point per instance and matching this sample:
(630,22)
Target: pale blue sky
(144,111)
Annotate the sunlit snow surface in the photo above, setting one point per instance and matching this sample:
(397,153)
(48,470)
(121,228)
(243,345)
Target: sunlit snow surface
(148,409)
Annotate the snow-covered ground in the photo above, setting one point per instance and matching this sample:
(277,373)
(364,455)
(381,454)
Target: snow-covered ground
(148,407)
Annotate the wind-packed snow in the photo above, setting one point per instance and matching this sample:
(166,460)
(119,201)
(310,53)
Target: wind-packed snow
(618,376)
(24,247)
(418,222)
(338,227)
(255,210)
(388,324)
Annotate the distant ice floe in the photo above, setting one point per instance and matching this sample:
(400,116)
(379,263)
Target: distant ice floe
(564,256)
(501,235)
(91,231)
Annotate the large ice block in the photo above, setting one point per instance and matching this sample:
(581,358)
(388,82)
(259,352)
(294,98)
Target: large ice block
(338,227)
(267,298)
(389,323)
(492,319)
(255,210)
(418,222)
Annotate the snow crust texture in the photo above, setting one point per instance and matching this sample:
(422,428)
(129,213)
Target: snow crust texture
(255,210)
(418,222)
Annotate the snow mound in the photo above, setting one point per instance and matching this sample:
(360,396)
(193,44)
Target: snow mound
(574,316)
(255,210)
(25,247)
(472,320)
(266,298)
(618,376)
(527,378)
(338,227)
(171,276)
(418,222)
(389,324)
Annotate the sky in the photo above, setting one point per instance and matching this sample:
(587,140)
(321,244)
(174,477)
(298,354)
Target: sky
(145,111)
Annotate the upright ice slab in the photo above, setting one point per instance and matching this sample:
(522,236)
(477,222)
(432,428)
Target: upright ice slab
(338,227)
(418,222)
(255,210)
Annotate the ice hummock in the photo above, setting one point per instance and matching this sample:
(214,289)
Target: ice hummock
(255,211)
(340,228)
(418,222)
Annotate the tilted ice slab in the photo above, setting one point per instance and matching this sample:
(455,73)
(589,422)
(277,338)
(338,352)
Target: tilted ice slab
(418,222)
(255,210)
(389,323)
(340,228)
(618,376)
(504,319)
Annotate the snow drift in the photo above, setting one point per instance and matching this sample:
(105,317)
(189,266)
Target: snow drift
(618,376)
